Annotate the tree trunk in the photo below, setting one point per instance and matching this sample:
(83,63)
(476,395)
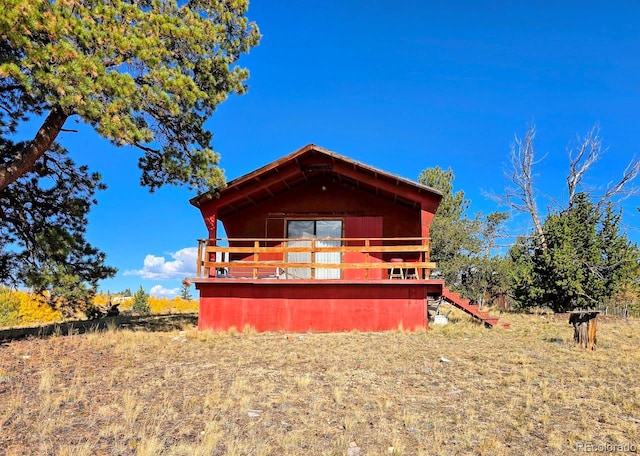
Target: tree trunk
(23,161)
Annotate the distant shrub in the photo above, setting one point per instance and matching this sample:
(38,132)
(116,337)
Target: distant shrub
(175,305)
(9,307)
(101,300)
(23,308)
(141,302)
(157,305)
(34,310)
(185,292)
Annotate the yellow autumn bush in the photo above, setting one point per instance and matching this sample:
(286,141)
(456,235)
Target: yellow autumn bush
(157,305)
(175,305)
(23,308)
(9,307)
(34,311)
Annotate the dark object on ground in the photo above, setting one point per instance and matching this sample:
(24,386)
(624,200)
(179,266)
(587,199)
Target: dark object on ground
(584,327)
(99,312)
(113,311)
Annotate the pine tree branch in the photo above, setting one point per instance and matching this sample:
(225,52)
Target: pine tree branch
(25,158)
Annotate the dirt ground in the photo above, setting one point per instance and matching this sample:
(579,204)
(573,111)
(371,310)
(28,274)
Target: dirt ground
(164,388)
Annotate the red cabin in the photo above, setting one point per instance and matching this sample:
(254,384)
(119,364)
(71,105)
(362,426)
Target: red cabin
(316,242)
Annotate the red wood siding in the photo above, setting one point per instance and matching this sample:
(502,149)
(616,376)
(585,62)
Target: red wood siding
(362,227)
(310,201)
(295,307)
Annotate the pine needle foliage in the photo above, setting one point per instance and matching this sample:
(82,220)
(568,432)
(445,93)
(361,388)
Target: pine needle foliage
(141,302)
(146,74)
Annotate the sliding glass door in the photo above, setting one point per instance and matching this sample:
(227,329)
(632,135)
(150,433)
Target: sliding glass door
(322,231)
(326,229)
(299,229)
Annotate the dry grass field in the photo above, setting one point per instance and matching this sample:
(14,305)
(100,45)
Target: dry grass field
(167,390)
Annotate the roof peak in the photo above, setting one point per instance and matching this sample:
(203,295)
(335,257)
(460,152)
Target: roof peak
(295,156)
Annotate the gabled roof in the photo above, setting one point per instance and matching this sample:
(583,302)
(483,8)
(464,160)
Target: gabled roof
(304,165)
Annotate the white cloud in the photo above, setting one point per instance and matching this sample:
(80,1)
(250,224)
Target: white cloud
(159,291)
(158,268)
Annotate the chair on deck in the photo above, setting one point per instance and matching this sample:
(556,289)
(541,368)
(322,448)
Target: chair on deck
(412,271)
(396,272)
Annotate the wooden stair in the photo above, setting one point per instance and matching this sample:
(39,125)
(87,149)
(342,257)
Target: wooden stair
(465,305)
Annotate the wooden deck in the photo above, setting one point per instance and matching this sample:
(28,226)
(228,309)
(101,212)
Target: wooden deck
(283,258)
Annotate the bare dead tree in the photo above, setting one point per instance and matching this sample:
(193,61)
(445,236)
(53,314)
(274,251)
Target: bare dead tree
(582,157)
(621,190)
(521,196)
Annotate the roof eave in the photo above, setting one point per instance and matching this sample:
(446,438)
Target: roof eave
(205,197)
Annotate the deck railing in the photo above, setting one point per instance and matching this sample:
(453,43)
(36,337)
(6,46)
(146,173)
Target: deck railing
(312,258)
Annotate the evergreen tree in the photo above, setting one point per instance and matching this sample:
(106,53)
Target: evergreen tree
(485,275)
(146,74)
(185,292)
(43,219)
(141,302)
(586,259)
(461,247)
(452,234)
(143,74)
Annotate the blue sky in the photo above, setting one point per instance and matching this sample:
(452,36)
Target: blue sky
(401,86)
